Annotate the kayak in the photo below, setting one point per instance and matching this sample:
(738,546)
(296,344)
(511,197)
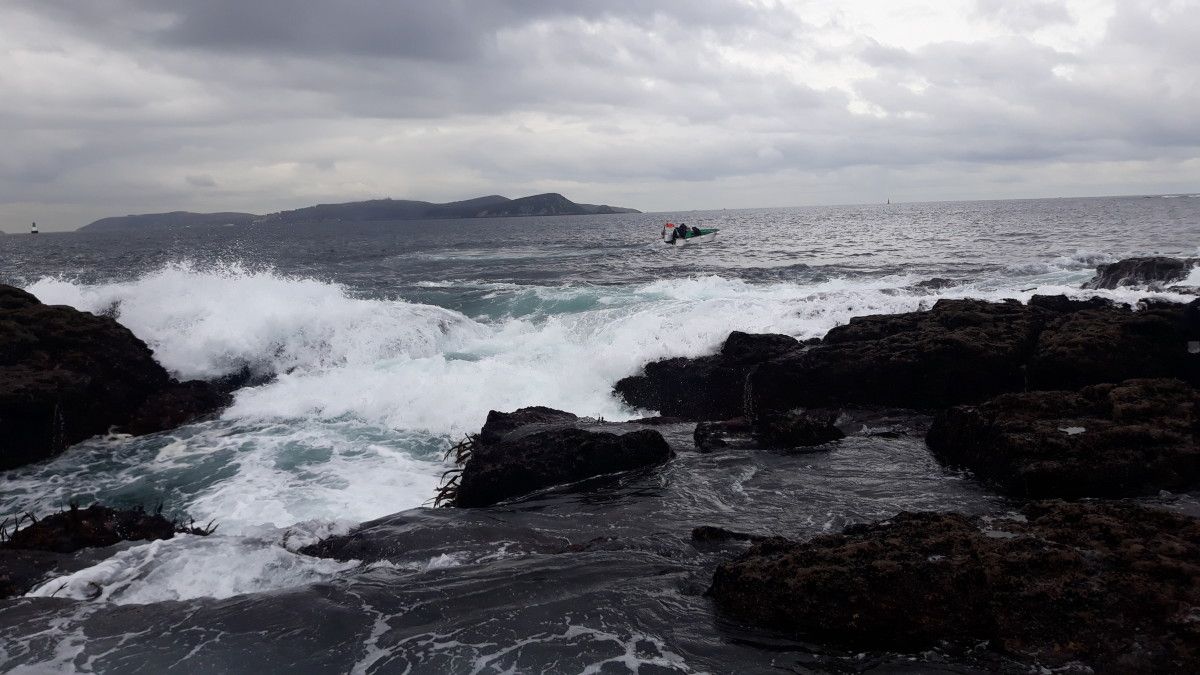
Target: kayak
(705,235)
(669,237)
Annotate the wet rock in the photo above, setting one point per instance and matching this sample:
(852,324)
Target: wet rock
(936,284)
(750,348)
(175,405)
(1135,438)
(97,525)
(21,571)
(1151,272)
(960,350)
(711,534)
(518,466)
(30,553)
(704,388)
(1112,344)
(499,424)
(1110,585)
(419,535)
(712,436)
(1061,304)
(798,428)
(65,376)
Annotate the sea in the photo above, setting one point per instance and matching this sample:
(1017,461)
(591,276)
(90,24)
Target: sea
(376,346)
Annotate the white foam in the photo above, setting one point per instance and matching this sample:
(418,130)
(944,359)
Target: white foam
(207,322)
(1193,277)
(189,566)
(291,474)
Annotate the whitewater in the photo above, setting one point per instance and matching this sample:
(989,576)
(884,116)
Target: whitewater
(366,359)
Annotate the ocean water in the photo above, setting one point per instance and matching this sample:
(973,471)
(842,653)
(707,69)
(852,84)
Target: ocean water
(381,344)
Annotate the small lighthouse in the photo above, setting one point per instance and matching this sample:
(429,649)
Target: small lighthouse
(33,229)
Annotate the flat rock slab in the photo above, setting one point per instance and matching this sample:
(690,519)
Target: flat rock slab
(1113,586)
(1134,438)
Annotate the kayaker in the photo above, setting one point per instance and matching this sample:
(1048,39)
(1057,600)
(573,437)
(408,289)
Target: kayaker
(683,230)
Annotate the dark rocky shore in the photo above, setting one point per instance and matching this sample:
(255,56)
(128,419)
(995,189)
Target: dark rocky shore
(1054,398)
(67,375)
(1070,407)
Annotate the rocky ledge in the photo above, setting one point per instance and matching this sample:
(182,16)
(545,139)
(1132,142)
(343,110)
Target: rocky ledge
(42,548)
(535,448)
(1112,586)
(67,375)
(1108,440)
(958,351)
(1155,272)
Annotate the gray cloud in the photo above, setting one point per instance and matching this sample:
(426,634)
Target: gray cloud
(128,105)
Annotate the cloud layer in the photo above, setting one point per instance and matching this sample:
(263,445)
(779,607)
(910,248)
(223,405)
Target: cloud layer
(117,106)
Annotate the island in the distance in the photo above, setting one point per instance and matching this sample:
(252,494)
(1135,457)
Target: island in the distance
(492,206)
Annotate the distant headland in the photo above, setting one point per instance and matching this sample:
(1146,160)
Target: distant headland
(492,206)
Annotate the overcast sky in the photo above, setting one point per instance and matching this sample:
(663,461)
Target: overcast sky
(110,107)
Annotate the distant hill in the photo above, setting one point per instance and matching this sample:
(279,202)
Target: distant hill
(491,206)
(149,221)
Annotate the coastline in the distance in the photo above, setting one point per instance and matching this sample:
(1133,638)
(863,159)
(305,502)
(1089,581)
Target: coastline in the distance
(491,206)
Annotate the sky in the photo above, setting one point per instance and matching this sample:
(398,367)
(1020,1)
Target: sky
(109,107)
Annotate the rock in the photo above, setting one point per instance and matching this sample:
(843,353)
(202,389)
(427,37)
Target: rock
(1061,304)
(936,284)
(30,554)
(499,424)
(710,534)
(1134,438)
(175,405)
(704,388)
(1152,272)
(1111,344)
(21,571)
(1110,585)
(418,535)
(750,348)
(958,351)
(518,466)
(712,436)
(71,530)
(67,375)
(798,428)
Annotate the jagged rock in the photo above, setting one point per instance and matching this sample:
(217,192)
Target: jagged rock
(1151,272)
(966,351)
(97,525)
(176,405)
(705,388)
(711,534)
(798,428)
(1138,437)
(1110,585)
(31,553)
(499,424)
(960,350)
(1110,345)
(711,436)
(936,284)
(67,375)
(518,466)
